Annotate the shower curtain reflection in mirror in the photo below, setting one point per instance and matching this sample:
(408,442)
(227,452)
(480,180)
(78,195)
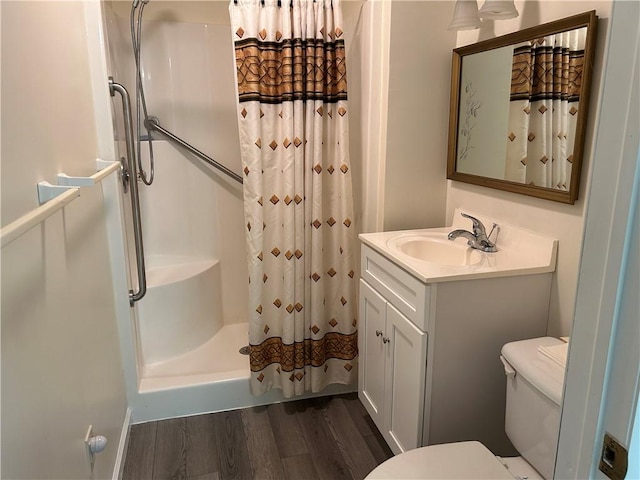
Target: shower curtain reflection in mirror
(545,92)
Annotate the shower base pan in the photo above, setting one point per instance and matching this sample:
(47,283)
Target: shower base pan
(218,359)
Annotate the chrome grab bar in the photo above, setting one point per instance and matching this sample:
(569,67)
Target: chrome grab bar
(135,200)
(153,124)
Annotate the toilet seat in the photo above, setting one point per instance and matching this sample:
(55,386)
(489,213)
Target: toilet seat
(462,460)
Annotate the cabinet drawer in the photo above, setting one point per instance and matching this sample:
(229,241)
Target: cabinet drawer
(403,291)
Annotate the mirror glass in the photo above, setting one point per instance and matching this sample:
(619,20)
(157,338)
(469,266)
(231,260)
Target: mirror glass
(519,106)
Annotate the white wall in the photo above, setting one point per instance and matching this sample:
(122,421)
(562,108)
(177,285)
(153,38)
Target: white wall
(61,368)
(564,222)
(419,79)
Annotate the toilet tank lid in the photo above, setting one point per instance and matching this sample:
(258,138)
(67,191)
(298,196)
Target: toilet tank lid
(539,371)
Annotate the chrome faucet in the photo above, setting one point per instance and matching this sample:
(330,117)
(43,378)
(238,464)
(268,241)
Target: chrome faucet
(479,238)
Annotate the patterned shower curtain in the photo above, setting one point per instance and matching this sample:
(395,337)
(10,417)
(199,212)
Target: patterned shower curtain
(545,93)
(293,119)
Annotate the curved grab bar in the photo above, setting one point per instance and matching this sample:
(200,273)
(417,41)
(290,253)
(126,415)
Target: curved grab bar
(135,200)
(152,123)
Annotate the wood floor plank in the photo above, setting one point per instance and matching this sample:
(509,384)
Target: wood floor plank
(261,444)
(202,454)
(286,429)
(325,455)
(378,447)
(352,445)
(206,476)
(299,467)
(231,444)
(359,414)
(170,453)
(367,427)
(138,463)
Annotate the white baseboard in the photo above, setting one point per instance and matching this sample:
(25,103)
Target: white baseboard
(122,446)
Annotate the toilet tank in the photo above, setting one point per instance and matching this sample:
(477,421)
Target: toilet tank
(534,394)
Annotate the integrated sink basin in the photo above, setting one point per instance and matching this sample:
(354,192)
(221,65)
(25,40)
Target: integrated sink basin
(435,248)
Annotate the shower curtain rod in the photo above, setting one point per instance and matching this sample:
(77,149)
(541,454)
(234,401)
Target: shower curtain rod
(152,123)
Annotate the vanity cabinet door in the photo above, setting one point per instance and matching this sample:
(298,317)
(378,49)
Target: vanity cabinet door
(405,368)
(391,373)
(371,363)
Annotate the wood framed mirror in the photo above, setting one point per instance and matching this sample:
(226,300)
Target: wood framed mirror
(519,106)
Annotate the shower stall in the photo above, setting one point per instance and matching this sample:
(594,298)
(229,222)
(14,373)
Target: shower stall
(185,335)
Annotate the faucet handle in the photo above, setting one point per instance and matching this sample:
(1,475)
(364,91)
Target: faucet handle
(495,225)
(478,227)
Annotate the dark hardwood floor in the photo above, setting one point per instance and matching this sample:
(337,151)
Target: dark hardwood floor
(322,438)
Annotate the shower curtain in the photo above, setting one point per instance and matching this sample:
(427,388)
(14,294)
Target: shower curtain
(293,119)
(545,93)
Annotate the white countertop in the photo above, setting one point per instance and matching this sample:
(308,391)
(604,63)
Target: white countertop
(520,252)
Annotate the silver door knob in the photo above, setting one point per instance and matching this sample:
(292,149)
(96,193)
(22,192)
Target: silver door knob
(378,333)
(386,340)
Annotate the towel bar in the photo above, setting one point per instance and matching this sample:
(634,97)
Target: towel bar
(104,170)
(54,197)
(25,223)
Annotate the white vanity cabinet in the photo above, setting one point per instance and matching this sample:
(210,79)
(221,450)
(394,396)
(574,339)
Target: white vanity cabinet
(429,369)
(393,350)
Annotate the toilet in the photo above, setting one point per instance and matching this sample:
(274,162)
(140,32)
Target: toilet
(532,421)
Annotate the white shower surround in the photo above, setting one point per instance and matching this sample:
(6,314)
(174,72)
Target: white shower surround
(192,217)
(188,329)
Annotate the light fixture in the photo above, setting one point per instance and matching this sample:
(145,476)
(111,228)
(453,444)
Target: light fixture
(465,16)
(498,10)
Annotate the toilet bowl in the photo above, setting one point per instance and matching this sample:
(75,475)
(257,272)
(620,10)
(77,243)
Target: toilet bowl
(532,421)
(464,460)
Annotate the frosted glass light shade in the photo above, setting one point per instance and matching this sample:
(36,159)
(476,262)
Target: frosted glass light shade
(465,16)
(498,10)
